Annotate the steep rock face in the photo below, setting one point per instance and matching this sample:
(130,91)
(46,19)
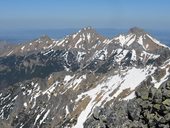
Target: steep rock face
(20,68)
(48,83)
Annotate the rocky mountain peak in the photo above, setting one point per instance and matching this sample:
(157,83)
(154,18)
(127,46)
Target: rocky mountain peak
(44,38)
(88,32)
(84,39)
(137,31)
(139,40)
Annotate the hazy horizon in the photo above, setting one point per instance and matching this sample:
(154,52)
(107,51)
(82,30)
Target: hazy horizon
(119,14)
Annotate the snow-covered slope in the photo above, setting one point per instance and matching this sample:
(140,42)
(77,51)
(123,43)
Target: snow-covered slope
(59,83)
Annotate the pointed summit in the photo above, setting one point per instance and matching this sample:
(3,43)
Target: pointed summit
(44,38)
(137,31)
(85,38)
(138,38)
(146,40)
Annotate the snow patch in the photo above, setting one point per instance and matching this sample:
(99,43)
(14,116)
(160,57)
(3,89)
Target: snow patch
(148,56)
(140,41)
(120,55)
(80,56)
(10,53)
(68,78)
(46,53)
(25,105)
(67,111)
(78,81)
(147,46)
(60,43)
(131,40)
(120,81)
(133,55)
(22,48)
(74,36)
(50,89)
(132,79)
(78,42)
(45,116)
(122,39)
(88,37)
(38,116)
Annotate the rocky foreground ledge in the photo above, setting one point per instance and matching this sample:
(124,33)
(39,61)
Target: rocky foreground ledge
(150,109)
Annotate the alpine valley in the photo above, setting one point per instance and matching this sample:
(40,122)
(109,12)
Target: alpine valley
(86,80)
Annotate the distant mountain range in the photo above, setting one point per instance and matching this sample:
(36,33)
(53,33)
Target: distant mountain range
(21,36)
(48,83)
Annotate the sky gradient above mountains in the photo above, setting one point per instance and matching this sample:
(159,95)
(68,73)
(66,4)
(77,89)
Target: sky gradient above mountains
(21,14)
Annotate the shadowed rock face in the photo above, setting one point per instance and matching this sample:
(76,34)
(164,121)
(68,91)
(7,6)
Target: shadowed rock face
(59,83)
(16,69)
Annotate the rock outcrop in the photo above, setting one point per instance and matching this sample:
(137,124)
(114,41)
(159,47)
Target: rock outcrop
(149,109)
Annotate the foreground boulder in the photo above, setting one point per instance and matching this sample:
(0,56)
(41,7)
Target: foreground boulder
(149,109)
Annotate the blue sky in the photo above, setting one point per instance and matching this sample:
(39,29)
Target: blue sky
(47,14)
